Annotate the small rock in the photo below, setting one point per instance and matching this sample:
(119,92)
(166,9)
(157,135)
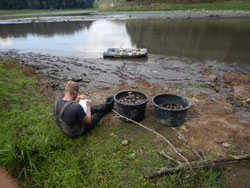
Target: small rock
(248,101)
(132,154)
(212,98)
(166,88)
(211,84)
(124,142)
(246,104)
(212,77)
(52,70)
(77,78)
(181,137)
(226,145)
(86,80)
(238,104)
(77,64)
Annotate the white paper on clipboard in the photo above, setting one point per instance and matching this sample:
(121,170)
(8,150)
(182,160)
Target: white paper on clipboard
(83,103)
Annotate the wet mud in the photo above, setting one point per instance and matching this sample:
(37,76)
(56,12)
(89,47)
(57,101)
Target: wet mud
(99,72)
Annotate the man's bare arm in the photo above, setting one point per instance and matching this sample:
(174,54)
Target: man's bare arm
(87,118)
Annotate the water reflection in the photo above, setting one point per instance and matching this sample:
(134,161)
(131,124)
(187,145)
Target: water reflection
(42,29)
(104,34)
(223,40)
(68,38)
(5,42)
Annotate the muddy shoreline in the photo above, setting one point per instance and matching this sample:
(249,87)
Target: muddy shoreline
(98,72)
(189,14)
(195,78)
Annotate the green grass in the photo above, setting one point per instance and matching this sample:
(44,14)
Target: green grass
(179,6)
(181,86)
(37,154)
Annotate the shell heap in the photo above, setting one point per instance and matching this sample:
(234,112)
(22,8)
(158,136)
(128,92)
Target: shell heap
(131,98)
(172,106)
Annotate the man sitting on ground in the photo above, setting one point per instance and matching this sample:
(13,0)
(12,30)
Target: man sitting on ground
(70,116)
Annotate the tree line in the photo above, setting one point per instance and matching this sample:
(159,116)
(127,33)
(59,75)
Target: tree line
(45,4)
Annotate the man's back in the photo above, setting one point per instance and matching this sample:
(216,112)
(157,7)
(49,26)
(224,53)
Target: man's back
(72,117)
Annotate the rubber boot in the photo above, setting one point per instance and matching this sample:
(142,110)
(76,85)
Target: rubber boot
(106,107)
(110,101)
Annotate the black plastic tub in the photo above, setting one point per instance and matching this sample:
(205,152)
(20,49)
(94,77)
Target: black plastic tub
(132,111)
(170,117)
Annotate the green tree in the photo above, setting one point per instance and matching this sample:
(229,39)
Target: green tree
(45,4)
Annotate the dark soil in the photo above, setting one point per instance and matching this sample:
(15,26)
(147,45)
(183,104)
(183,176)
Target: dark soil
(131,98)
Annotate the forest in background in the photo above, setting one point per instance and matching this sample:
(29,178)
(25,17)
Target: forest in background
(45,4)
(77,4)
(83,4)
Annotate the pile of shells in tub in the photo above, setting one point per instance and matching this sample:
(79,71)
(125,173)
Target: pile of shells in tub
(131,98)
(172,106)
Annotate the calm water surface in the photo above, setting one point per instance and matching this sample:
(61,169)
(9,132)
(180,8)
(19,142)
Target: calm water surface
(220,40)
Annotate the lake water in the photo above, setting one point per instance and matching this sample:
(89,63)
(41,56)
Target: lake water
(219,40)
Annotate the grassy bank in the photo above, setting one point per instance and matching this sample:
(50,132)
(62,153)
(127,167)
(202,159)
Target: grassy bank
(179,6)
(37,154)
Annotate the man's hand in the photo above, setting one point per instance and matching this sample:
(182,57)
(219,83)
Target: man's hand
(87,118)
(89,103)
(81,97)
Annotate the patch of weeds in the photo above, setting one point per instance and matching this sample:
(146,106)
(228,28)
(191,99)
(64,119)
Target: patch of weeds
(232,150)
(208,156)
(178,86)
(195,178)
(197,84)
(134,87)
(182,86)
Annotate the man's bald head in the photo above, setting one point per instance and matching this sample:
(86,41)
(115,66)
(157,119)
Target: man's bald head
(72,88)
